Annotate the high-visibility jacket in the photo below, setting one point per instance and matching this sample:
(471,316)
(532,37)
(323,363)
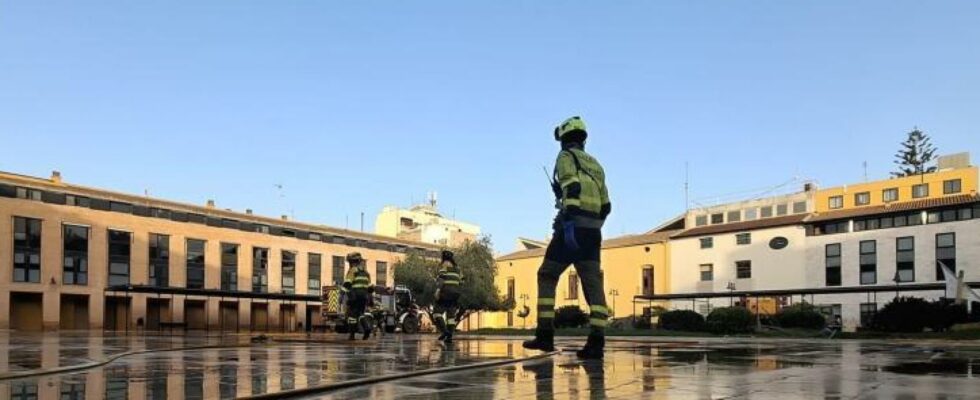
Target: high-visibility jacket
(357,279)
(584,196)
(449,275)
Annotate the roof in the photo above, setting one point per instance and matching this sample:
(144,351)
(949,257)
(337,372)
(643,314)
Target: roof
(63,187)
(897,207)
(763,223)
(616,242)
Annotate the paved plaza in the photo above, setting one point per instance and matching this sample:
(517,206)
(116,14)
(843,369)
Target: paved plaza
(75,366)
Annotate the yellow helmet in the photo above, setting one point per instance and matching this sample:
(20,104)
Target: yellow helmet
(573,124)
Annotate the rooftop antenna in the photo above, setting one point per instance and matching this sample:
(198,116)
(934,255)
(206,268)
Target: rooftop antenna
(865,165)
(687,203)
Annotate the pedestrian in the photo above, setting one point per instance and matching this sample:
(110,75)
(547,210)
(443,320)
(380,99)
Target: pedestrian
(581,196)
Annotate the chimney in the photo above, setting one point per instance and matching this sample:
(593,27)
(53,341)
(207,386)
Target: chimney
(210,203)
(285,217)
(248,211)
(56,176)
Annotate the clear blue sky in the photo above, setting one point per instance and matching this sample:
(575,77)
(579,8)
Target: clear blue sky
(357,105)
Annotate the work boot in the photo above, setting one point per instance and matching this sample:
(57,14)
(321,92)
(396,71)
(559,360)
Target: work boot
(366,326)
(544,340)
(594,348)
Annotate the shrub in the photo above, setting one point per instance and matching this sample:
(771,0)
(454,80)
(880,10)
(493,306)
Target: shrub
(905,314)
(682,320)
(730,320)
(570,317)
(945,314)
(803,316)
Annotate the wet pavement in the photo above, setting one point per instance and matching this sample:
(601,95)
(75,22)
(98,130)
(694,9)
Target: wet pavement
(655,368)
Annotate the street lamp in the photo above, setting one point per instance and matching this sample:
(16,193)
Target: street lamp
(614,293)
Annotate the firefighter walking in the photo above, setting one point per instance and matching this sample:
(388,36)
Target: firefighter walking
(357,289)
(581,196)
(448,283)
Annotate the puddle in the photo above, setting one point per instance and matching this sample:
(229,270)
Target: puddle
(943,367)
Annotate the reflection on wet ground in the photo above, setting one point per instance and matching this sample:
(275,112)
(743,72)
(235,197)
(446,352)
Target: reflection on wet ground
(633,368)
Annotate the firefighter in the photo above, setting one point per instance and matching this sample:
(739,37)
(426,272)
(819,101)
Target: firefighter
(357,289)
(447,296)
(581,196)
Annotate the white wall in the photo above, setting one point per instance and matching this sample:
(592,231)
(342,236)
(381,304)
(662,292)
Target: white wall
(771,269)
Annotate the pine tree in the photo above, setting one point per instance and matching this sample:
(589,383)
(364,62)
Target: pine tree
(915,155)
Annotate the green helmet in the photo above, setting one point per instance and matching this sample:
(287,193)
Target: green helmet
(573,124)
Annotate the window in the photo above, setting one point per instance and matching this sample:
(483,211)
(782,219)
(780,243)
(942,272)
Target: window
(23,390)
(120,250)
(831,228)
(921,190)
(743,238)
(717,218)
(262,228)
(836,202)
(337,274)
(707,243)
(743,269)
(160,213)
(889,195)
(572,286)
(78,201)
(28,194)
(116,206)
(288,272)
(734,216)
(315,236)
(701,220)
(159,260)
(511,289)
(195,264)
(766,211)
(75,242)
(782,209)
(381,276)
(27,250)
(868,261)
(648,280)
(862,199)
(952,186)
(707,272)
(832,262)
(751,214)
(72,391)
(945,254)
(229,266)
(965,214)
(314,272)
(905,259)
(799,207)
(868,311)
(260,270)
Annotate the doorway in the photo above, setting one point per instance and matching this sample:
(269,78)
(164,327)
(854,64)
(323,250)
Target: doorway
(195,314)
(287,317)
(260,317)
(25,311)
(228,311)
(157,311)
(117,312)
(74,312)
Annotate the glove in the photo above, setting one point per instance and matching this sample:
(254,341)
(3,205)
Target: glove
(568,233)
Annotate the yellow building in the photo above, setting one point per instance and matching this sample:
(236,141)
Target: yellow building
(953,180)
(632,265)
(80,258)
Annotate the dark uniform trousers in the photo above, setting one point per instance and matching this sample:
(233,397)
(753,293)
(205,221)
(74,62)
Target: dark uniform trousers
(557,258)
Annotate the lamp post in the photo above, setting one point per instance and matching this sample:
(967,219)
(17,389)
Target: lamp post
(523,315)
(613,293)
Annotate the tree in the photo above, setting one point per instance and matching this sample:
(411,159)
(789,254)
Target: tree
(478,292)
(915,155)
